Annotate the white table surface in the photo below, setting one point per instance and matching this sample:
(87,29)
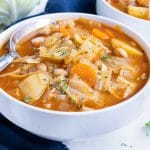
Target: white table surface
(134,136)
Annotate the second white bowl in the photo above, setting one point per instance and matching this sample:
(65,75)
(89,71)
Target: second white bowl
(139,25)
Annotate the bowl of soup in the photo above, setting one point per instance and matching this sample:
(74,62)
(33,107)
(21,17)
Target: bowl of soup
(82,76)
(134,13)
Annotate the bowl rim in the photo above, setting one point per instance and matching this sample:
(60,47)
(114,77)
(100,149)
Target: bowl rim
(123,13)
(106,109)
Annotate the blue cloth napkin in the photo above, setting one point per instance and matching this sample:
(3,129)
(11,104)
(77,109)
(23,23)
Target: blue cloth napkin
(15,138)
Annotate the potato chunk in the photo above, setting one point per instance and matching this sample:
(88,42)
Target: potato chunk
(34,85)
(128,48)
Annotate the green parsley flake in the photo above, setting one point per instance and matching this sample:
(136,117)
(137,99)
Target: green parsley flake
(147,124)
(65,86)
(60,52)
(105,58)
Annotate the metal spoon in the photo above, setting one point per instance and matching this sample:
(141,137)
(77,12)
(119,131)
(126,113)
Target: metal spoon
(16,36)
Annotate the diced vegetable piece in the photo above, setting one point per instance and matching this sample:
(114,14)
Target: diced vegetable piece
(54,54)
(34,86)
(91,49)
(44,78)
(76,97)
(117,63)
(123,80)
(81,86)
(85,72)
(140,12)
(128,48)
(105,77)
(121,52)
(80,92)
(78,39)
(122,88)
(94,104)
(100,34)
(52,39)
(130,86)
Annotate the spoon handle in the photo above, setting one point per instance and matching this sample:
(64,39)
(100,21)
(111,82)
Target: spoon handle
(6,60)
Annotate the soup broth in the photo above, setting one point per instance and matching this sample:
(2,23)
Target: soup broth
(75,65)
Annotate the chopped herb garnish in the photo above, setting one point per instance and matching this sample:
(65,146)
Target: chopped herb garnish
(105,58)
(147,124)
(65,86)
(62,82)
(27,99)
(61,52)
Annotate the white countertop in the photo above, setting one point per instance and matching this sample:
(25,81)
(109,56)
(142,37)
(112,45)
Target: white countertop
(134,136)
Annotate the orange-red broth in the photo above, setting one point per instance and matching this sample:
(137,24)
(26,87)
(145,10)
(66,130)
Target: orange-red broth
(83,26)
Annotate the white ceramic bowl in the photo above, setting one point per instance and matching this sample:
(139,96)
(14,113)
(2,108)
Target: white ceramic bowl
(139,25)
(64,126)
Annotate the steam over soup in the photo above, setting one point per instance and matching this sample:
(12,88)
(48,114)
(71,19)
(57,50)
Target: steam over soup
(136,8)
(75,65)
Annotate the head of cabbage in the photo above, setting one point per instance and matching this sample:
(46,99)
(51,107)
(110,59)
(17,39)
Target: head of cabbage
(13,10)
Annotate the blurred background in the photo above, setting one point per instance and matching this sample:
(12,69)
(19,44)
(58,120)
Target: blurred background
(15,10)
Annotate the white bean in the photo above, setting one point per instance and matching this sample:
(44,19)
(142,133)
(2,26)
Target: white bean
(121,52)
(38,41)
(42,67)
(60,72)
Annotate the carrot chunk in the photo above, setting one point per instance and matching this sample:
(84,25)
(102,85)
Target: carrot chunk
(85,72)
(100,34)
